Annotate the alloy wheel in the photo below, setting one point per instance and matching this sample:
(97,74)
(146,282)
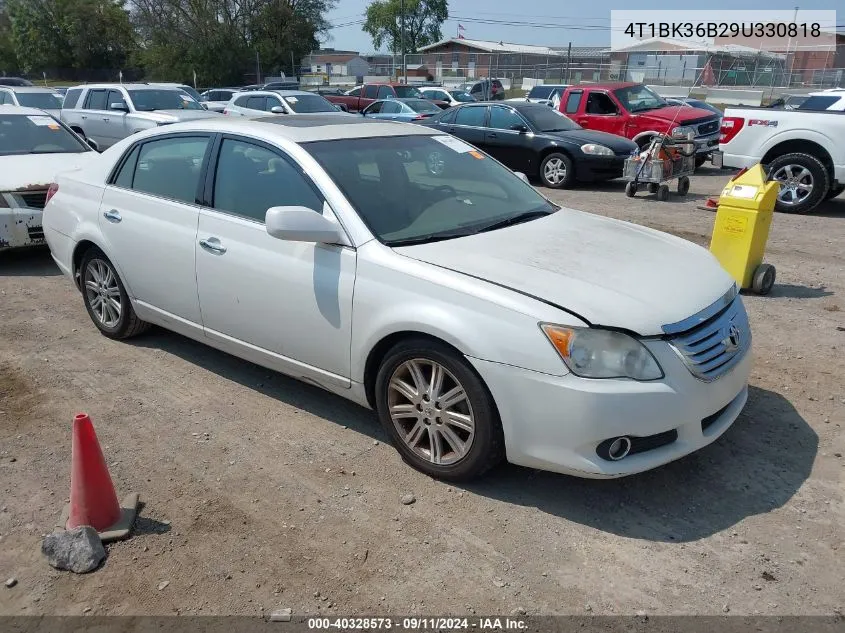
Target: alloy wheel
(796,184)
(554,171)
(431,411)
(102,292)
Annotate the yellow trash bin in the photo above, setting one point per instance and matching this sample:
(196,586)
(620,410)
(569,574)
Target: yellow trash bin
(742,226)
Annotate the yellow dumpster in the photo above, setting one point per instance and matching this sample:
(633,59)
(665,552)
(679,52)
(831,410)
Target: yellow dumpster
(742,226)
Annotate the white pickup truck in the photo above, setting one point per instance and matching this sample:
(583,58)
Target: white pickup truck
(803,150)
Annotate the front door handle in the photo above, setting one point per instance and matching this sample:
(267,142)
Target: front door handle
(112,216)
(213,245)
(492,135)
(105,120)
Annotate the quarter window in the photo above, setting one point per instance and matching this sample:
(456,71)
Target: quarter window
(250,179)
(471,115)
(171,167)
(71,98)
(127,171)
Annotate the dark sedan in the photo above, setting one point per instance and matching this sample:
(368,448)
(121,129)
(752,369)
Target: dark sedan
(538,141)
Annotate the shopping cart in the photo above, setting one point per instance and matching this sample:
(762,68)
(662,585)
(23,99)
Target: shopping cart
(666,158)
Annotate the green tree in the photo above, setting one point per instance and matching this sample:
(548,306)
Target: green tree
(8,57)
(423,19)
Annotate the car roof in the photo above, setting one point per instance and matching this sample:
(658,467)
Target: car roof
(303,128)
(137,86)
(30,89)
(19,110)
(610,85)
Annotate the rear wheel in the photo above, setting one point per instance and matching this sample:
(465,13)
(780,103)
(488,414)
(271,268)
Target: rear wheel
(105,297)
(437,411)
(557,171)
(803,179)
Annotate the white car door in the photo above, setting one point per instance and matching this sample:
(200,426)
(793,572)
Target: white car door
(287,305)
(148,217)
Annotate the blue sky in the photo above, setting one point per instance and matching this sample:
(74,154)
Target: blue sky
(581,23)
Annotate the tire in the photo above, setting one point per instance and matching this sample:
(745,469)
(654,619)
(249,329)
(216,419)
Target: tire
(834,191)
(631,189)
(799,169)
(418,432)
(683,186)
(700,159)
(99,281)
(652,187)
(763,279)
(557,171)
(663,193)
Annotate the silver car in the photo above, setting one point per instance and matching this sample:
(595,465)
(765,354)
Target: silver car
(45,99)
(106,113)
(216,99)
(261,102)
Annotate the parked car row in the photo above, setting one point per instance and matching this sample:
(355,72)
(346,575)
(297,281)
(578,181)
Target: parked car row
(483,326)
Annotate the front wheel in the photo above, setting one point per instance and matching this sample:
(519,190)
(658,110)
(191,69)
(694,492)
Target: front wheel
(105,298)
(557,171)
(437,411)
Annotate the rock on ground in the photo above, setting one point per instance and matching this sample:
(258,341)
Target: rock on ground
(79,550)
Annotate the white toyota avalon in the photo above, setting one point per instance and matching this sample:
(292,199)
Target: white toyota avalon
(411,273)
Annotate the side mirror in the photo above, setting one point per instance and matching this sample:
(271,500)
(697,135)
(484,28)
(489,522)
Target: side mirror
(520,127)
(521,176)
(277,110)
(301,224)
(119,105)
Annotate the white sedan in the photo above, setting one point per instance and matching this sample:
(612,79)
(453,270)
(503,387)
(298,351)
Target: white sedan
(413,274)
(34,147)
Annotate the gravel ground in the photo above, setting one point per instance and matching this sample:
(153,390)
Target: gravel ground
(261,492)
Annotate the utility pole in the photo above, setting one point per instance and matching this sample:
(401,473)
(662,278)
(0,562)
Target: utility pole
(257,69)
(402,19)
(569,63)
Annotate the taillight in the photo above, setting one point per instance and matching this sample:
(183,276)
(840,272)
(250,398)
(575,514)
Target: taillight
(731,125)
(51,191)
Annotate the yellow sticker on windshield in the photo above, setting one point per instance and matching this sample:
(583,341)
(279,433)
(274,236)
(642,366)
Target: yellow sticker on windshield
(477,155)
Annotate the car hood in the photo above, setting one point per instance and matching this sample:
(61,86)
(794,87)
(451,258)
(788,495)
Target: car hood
(608,272)
(678,114)
(174,116)
(619,144)
(37,171)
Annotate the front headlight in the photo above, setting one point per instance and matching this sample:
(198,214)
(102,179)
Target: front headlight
(594,353)
(683,132)
(596,150)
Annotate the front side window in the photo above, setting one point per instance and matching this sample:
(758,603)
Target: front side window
(355,92)
(36,134)
(471,115)
(600,103)
(114,96)
(374,108)
(413,189)
(40,100)
(250,179)
(170,168)
(162,99)
(408,92)
(273,102)
(385,92)
(241,101)
(96,100)
(504,118)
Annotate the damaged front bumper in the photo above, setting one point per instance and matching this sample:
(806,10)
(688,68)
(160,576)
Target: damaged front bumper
(20,218)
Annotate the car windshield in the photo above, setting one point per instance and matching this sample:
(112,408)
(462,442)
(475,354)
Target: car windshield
(416,189)
(639,98)
(460,95)
(36,134)
(40,100)
(304,104)
(545,119)
(162,99)
(421,105)
(193,93)
(540,92)
(404,92)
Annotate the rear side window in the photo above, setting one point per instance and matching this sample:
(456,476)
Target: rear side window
(5,97)
(256,103)
(71,98)
(127,171)
(471,115)
(170,167)
(818,102)
(96,100)
(391,107)
(573,101)
(241,101)
(370,92)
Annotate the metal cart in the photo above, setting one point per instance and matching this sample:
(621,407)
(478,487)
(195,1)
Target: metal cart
(654,173)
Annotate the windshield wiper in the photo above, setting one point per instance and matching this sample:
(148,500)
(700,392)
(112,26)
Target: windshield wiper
(430,237)
(517,219)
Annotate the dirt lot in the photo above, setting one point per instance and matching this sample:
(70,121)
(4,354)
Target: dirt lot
(264,492)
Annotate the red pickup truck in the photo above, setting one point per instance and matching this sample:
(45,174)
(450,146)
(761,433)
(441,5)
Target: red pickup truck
(636,112)
(360,97)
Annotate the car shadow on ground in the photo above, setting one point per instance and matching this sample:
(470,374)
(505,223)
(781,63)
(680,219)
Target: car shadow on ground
(757,466)
(754,468)
(28,262)
(834,208)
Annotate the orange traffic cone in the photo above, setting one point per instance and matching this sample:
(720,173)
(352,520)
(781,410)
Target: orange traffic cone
(92,497)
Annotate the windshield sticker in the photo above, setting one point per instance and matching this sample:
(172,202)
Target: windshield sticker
(454,144)
(291,100)
(44,121)
(476,154)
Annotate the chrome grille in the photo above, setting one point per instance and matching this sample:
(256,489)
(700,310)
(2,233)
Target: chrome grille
(711,348)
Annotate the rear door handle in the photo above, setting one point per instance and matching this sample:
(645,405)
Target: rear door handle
(83,117)
(213,245)
(492,135)
(112,216)
(105,120)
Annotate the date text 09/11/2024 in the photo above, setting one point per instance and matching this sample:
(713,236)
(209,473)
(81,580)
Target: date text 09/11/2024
(418,623)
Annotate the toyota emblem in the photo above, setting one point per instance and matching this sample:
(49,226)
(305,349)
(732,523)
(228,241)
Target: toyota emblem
(732,340)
